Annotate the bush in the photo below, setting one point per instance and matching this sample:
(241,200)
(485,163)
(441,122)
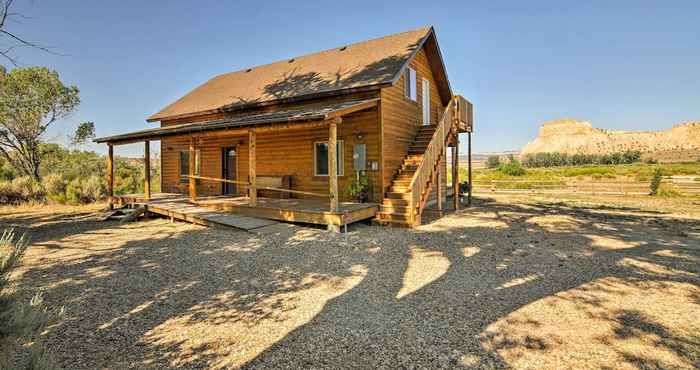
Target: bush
(512,168)
(493,161)
(555,159)
(655,182)
(21,190)
(87,190)
(20,323)
(55,187)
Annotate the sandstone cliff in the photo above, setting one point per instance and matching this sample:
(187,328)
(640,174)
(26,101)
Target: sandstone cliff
(571,136)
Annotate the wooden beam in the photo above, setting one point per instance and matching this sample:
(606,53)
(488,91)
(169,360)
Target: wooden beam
(147,170)
(438,183)
(455,175)
(469,159)
(192,164)
(110,176)
(333,162)
(252,189)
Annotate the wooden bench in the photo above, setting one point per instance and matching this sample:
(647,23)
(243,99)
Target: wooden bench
(282,182)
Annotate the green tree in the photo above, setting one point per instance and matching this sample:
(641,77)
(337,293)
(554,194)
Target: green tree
(493,161)
(655,182)
(31,99)
(83,133)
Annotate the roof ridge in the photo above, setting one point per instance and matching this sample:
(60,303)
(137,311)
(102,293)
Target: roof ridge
(426,28)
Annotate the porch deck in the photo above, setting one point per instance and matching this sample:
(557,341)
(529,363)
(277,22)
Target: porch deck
(311,211)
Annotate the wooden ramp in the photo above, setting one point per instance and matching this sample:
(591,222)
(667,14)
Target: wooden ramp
(184,211)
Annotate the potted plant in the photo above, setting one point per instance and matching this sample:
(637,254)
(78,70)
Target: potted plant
(358,189)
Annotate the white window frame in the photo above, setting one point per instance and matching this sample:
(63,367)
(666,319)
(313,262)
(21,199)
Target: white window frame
(411,84)
(339,159)
(426,101)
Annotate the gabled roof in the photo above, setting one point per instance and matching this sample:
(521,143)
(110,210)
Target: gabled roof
(304,114)
(362,66)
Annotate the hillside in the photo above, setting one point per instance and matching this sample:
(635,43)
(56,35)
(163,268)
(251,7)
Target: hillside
(681,142)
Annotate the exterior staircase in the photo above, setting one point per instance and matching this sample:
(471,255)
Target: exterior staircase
(395,209)
(411,186)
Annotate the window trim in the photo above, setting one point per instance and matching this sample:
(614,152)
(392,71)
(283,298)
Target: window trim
(410,90)
(340,159)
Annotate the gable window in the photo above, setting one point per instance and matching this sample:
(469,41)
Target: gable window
(410,84)
(321,158)
(185,163)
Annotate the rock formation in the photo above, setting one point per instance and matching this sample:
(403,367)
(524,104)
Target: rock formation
(571,136)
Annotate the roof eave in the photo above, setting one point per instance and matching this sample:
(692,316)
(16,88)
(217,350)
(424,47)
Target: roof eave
(236,107)
(445,90)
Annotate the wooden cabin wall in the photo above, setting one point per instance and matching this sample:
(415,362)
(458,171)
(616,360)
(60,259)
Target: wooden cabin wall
(279,153)
(401,117)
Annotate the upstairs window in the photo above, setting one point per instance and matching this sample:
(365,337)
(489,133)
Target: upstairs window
(410,84)
(321,158)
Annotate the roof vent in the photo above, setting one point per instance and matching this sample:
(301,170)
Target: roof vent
(291,60)
(343,48)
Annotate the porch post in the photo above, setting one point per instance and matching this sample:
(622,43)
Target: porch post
(147,170)
(469,159)
(438,190)
(110,176)
(192,163)
(252,189)
(455,174)
(333,163)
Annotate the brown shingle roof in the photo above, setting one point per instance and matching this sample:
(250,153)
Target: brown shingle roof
(369,63)
(286,116)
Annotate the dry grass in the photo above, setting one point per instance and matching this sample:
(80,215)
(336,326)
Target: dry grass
(512,282)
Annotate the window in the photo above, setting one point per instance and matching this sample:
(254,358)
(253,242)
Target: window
(321,158)
(185,162)
(410,84)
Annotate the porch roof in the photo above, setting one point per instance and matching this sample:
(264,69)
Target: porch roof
(316,113)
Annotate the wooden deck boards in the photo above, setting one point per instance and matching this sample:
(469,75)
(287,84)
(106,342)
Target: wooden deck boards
(235,211)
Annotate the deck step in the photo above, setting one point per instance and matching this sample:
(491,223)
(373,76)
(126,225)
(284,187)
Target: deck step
(393,216)
(395,209)
(394,195)
(393,223)
(395,202)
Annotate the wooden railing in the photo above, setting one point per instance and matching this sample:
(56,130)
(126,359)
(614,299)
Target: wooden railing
(246,183)
(421,181)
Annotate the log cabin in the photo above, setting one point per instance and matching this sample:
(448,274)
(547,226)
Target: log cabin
(287,140)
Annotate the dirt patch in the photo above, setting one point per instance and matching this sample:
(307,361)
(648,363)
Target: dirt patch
(506,284)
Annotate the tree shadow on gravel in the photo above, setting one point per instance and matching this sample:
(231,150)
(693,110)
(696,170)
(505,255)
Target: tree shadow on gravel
(493,272)
(449,294)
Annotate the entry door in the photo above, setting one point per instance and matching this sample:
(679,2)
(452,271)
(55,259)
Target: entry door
(228,170)
(426,102)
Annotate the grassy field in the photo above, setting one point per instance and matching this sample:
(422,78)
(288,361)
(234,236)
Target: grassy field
(636,172)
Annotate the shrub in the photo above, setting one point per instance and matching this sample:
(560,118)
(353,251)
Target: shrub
(655,182)
(20,322)
(512,168)
(20,190)
(87,190)
(55,187)
(493,161)
(555,159)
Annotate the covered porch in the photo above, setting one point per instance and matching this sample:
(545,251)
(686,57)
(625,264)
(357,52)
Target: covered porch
(307,211)
(296,204)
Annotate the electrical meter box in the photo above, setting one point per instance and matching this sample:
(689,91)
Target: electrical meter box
(359,157)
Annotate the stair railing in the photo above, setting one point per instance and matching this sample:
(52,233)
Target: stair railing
(426,167)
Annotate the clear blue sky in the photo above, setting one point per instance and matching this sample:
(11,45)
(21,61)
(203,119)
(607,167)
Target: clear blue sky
(631,65)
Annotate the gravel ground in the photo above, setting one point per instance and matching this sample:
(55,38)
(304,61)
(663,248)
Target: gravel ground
(509,283)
